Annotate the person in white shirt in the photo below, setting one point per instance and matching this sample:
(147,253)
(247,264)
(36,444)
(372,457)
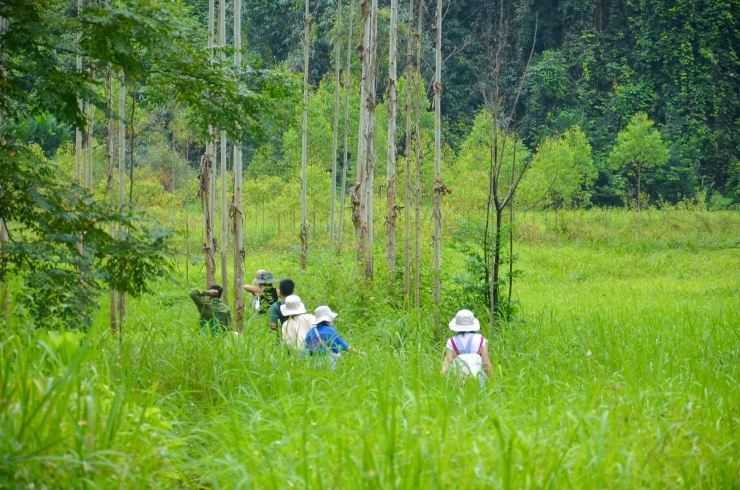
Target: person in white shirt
(467,351)
(295,328)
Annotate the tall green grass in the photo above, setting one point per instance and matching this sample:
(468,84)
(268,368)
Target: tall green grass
(620,371)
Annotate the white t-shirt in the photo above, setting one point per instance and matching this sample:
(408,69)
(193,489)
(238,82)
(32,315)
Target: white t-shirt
(464,339)
(295,329)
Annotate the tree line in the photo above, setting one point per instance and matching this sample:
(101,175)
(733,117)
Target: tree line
(595,64)
(526,97)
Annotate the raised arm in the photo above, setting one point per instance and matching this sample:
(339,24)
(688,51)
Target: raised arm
(198,297)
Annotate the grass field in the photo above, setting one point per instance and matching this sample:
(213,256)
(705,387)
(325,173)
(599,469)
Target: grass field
(621,370)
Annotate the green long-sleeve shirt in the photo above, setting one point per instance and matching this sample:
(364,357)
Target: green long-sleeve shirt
(214,314)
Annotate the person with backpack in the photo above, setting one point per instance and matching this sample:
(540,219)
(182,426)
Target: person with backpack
(467,351)
(298,324)
(277,319)
(323,339)
(264,294)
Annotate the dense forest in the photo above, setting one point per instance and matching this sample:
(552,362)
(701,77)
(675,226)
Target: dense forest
(595,64)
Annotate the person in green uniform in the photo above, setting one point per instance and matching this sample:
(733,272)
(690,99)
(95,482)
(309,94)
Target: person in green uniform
(215,316)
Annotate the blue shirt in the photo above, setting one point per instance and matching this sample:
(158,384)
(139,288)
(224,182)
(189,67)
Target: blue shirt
(327,340)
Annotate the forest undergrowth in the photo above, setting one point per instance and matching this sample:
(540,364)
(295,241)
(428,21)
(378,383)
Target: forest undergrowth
(619,370)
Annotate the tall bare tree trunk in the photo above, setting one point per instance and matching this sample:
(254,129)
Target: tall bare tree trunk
(438,186)
(131,144)
(121,176)
(237,165)
(337,55)
(357,193)
(304,137)
(224,150)
(367,52)
(3,242)
(110,175)
(88,149)
(205,193)
(3,229)
(78,131)
(639,172)
(502,195)
(407,207)
(346,125)
(208,168)
(390,247)
(417,186)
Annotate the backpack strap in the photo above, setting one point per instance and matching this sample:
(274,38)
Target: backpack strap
(454,346)
(481,344)
(468,348)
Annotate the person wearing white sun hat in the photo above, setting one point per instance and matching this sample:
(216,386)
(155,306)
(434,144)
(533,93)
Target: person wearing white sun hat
(298,324)
(467,351)
(323,339)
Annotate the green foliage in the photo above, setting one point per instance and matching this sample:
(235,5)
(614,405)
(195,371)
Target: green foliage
(60,242)
(44,130)
(639,147)
(151,41)
(561,173)
(468,175)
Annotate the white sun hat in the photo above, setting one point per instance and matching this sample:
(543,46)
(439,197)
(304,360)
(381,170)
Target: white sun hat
(324,314)
(464,321)
(293,306)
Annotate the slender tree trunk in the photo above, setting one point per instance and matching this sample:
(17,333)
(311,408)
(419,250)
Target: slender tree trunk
(225,216)
(121,176)
(511,259)
(367,52)
(496,263)
(187,245)
(90,110)
(347,77)
(407,207)
(131,145)
(335,136)
(80,103)
(207,171)
(3,229)
(207,189)
(357,193)
(639,171)
(237,165)
(417,186)
(110,174)
(223,153)
(438,186)
(390,247)
(304,137)
(497,161)
(3,259)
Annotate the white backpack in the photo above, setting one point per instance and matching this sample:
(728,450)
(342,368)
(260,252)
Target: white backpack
(468,361)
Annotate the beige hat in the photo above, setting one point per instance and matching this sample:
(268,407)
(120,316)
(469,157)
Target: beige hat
(324,314)
(293,306)
(465,321)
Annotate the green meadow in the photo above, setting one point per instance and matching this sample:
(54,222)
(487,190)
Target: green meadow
(619,369)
